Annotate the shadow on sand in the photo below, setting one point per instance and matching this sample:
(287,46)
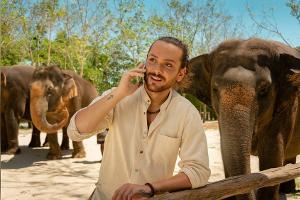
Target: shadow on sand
(87,162)
(28,157)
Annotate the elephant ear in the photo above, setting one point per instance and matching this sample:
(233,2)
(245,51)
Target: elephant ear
(200,75)
(3,79)
(290,59)
(69,88)
(294,78)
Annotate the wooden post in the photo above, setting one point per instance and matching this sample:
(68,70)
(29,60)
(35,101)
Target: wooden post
(237,184)
(208,116)
(205,113)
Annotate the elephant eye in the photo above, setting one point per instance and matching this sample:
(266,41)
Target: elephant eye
(215,88)
(263,90)
(50,91)
(215,92)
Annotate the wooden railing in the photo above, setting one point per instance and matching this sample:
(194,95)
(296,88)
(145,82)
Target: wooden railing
(237,184)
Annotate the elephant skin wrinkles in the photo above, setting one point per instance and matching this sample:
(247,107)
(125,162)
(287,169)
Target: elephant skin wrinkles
(55,96)
(263,77)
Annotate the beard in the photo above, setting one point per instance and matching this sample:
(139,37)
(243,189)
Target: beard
(160,86)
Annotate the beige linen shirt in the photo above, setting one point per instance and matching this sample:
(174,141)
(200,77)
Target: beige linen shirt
(137,154)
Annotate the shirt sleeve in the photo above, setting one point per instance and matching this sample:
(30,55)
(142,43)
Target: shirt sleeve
(72,130)
(193,150)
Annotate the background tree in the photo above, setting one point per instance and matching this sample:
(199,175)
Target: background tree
(268,21)
(100,39)
(47,13)
(294,5)
(11,51)
(201,25)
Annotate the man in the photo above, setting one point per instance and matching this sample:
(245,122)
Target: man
(149,125)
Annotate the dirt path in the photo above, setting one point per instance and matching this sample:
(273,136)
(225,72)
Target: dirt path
(30,176)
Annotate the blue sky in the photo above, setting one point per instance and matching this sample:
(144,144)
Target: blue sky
(287,24)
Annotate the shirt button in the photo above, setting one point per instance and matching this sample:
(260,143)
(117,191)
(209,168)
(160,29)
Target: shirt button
(136,170)
(141,151)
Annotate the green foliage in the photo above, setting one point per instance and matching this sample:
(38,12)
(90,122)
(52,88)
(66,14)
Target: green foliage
(10,19)
(294,6)
(196,102)
(201,106)
(200,24)
(10,57)
(100,39)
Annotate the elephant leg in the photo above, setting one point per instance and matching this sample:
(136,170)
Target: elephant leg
(12,129)
(35,138)
(54,152)
(78,151)
(4,144)
(65,140)
(102,149)
(271,155)
(46,142)
(101,140)
(289,186)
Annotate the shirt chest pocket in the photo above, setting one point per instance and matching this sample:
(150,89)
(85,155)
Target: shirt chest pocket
(165,149)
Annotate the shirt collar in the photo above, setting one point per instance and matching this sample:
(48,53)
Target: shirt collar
(146,99)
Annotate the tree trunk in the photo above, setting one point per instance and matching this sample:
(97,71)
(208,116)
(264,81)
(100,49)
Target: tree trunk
(49,46)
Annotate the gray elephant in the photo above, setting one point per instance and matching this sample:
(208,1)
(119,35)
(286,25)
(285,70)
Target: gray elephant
(55,95)
(253,85)
(15,106)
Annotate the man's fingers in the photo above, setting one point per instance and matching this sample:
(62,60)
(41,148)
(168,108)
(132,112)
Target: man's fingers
(134,74)
(140,70)
(129,192)
(129,195)
(141,66)
(122,193)
(126,192)
(117,193)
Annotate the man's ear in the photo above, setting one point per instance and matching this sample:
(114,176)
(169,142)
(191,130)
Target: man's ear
(200,78)
(69,88)
(181,74)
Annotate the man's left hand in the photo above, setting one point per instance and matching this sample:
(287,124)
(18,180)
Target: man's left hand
(130,191)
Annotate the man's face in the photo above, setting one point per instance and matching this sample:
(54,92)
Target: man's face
(163,66)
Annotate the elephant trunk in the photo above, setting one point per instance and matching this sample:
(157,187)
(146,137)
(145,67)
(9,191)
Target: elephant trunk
(39,111)
(236,134)
(236,122)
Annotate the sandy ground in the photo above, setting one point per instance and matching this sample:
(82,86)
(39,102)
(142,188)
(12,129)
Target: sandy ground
(30,176)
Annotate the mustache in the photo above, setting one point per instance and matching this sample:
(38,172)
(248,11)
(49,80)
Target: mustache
(152,74)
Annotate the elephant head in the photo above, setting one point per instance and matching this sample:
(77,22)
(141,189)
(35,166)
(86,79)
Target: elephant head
(252,85)
(50,92)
